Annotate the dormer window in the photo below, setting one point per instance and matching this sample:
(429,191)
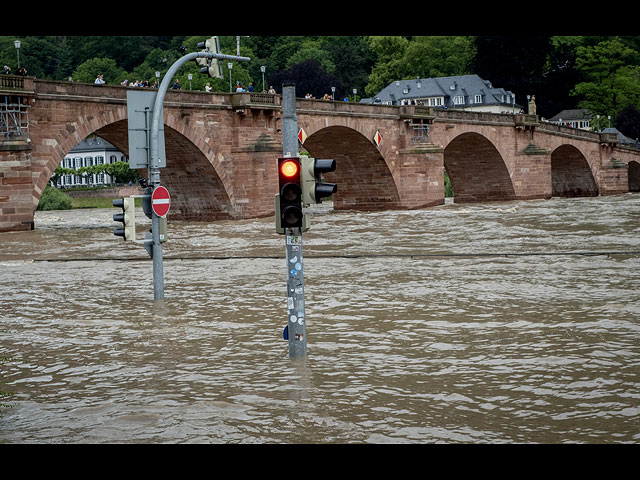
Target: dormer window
(477,99)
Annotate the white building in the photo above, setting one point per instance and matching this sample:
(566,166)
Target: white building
(91,151)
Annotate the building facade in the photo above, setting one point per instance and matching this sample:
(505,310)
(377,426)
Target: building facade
(575,118)
(90,151)
(463,92)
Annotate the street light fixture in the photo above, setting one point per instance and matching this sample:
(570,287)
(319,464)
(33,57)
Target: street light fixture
(230,65)
(17,45)
(262,69)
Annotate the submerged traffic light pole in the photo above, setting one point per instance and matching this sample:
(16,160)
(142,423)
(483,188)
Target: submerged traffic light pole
(155,160)
(288,214)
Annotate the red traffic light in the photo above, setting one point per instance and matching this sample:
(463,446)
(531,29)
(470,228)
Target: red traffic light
(289,168)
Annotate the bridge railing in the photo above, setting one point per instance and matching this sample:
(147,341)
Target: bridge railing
(249,99)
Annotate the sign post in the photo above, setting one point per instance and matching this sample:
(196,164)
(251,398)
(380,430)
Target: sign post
(146,148)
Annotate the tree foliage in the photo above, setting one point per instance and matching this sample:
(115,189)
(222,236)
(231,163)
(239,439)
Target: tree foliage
(611,77)
(601,73)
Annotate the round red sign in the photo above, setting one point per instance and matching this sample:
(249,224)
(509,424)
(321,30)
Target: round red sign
(160,201)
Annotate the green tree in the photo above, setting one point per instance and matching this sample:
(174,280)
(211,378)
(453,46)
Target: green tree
(611,78)
(431,57)
(54,199)
(121,172)
(388,53)
(89,70)
(515,63)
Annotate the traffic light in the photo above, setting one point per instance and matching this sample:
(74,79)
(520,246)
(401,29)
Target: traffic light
(289,199)
(313,188)
(127,217)
(210,66)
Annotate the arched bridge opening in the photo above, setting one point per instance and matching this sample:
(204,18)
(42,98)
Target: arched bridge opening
(362,174)
(477,171)
(634,176)
(197,191)
(571,175)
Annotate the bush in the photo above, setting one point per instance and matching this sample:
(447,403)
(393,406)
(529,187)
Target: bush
(54,199)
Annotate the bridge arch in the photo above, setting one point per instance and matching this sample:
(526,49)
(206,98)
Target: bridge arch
(634,176)
(198,191)
(365,181)
(477,171)
(571,175)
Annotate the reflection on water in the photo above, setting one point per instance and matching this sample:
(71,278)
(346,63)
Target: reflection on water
(461,323)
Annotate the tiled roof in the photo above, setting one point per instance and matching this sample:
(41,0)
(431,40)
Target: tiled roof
(448,87)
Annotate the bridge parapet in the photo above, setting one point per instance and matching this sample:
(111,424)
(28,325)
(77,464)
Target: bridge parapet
(255,100)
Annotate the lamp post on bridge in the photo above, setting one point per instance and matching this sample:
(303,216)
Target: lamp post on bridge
(16,43)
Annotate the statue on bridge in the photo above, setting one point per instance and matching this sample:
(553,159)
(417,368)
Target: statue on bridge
(532,105)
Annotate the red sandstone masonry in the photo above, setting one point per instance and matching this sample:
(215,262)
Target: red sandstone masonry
(221,152)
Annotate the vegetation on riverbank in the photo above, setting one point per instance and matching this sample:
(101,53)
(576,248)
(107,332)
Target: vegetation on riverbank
(55,199)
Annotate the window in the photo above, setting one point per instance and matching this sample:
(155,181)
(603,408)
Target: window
(477,99)
(458,100)
(99,160)
(88,161)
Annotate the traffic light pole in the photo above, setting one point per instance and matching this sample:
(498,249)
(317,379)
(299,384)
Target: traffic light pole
(296,323)
(154,159)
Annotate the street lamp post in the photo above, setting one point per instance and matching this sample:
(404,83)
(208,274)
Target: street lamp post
(333,93)
(230,65)
(189,76)
(17,45)
(262,69)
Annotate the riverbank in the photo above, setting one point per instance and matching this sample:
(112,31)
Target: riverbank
(100,197)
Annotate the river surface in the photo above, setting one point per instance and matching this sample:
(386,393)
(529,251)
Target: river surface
(514,322)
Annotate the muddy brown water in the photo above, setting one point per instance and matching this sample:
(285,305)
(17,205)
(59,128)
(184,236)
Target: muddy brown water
(485,323)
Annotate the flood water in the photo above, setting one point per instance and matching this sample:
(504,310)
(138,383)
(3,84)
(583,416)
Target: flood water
(515,322)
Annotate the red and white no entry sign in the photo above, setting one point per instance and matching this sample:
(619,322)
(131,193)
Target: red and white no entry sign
(160,201)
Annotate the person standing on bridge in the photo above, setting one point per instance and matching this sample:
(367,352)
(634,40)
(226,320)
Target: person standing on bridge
(99,80)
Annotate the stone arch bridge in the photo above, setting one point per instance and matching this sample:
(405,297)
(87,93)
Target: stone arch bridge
(221,151)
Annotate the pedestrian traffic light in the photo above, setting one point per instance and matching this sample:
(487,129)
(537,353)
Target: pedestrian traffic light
(127,217)
(210,66)
(289,199)
(313,188)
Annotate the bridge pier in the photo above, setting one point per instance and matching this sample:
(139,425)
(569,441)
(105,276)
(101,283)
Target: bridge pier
(16,186)
(420,176)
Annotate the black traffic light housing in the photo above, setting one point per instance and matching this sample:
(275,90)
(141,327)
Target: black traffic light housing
(289,198)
